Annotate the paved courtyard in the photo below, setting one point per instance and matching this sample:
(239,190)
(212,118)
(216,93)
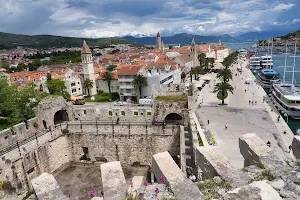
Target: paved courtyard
(240,122)
(241,116)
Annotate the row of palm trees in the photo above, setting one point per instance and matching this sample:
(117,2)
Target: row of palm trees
(225,75)
(139,82)
(204,64)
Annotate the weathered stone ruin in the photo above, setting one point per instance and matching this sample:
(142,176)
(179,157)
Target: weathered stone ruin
(158,141)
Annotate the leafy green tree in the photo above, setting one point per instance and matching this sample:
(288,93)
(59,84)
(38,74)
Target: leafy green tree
(222,90)
(108,77)
(211,61)
(139,82)
(17,105)
(49,77)
(111,68)
(56,86)
(87,85)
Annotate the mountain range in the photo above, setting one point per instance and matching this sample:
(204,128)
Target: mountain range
(182,38)
(9,41)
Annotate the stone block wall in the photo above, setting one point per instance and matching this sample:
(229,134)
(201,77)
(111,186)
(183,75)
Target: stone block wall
(128,144)
(296,146)
(172,89)
(123,113)
(210,162)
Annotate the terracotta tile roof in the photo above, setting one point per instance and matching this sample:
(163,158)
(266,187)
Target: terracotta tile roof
(186,58)
(114,73)
(132,70)
(184,50)
(85,48)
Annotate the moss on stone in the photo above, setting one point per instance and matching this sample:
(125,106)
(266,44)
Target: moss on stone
(172,98)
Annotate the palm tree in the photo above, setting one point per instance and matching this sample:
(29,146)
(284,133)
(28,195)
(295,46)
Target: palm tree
(225,75)
(140,81)
(183,76)
(201,58)
(222,90)
(211,61)
(108,77)
(88,84)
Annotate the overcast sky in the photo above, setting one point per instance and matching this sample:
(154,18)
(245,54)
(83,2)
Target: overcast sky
(108,18)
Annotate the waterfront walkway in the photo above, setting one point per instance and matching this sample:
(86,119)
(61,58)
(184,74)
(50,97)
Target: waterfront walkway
(242,117)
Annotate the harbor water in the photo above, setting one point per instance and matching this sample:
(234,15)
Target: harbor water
(279,61)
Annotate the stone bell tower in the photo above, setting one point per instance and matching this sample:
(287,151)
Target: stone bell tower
(88,68)
(193,53)
(158,41)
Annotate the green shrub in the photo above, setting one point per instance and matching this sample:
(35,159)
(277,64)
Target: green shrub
(123,112)
(173,98)
(149,113)
(136,113)
(199,139)
(28,195)
(115,96)
(110,113)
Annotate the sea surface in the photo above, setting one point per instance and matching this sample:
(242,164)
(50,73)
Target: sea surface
(279,60)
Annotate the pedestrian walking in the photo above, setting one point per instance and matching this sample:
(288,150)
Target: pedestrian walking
(226,126)
(255,102)
(290,148)
(208,121)
(269,144)
(245,90)
(249,102)
(252,102)
(278,118)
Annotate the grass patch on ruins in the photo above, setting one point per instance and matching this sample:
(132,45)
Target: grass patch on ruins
(174,98)
(298,163)
(260,165)
(199,139)
(210,189)
(263,175)
(28,195)
(98,98)
(212,140)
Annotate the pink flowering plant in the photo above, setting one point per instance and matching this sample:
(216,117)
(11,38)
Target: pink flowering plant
(132,195)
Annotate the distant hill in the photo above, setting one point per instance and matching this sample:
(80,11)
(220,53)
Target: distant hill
(182,38)
(8,41)
(263,35)
(287,36)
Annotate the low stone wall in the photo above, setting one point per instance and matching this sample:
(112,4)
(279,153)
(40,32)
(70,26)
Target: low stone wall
(113,180)
(256,190)
(183,188)
(296,146)
(210,162)
(256,152)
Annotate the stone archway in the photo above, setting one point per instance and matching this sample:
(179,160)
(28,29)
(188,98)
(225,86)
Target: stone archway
(173,118)
(60,116)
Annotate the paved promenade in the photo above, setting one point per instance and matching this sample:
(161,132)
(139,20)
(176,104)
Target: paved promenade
(242,117)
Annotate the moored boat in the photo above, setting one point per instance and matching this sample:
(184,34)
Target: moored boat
(268,77)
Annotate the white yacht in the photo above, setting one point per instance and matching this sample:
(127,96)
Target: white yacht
(286,97)
(255,63)
(266,62)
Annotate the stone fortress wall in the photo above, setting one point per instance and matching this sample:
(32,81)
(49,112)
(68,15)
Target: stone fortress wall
(62,133)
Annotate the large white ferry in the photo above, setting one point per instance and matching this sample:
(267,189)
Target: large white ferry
(286,97)
(268,77)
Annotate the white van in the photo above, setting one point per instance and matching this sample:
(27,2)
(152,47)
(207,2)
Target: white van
(145,102)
